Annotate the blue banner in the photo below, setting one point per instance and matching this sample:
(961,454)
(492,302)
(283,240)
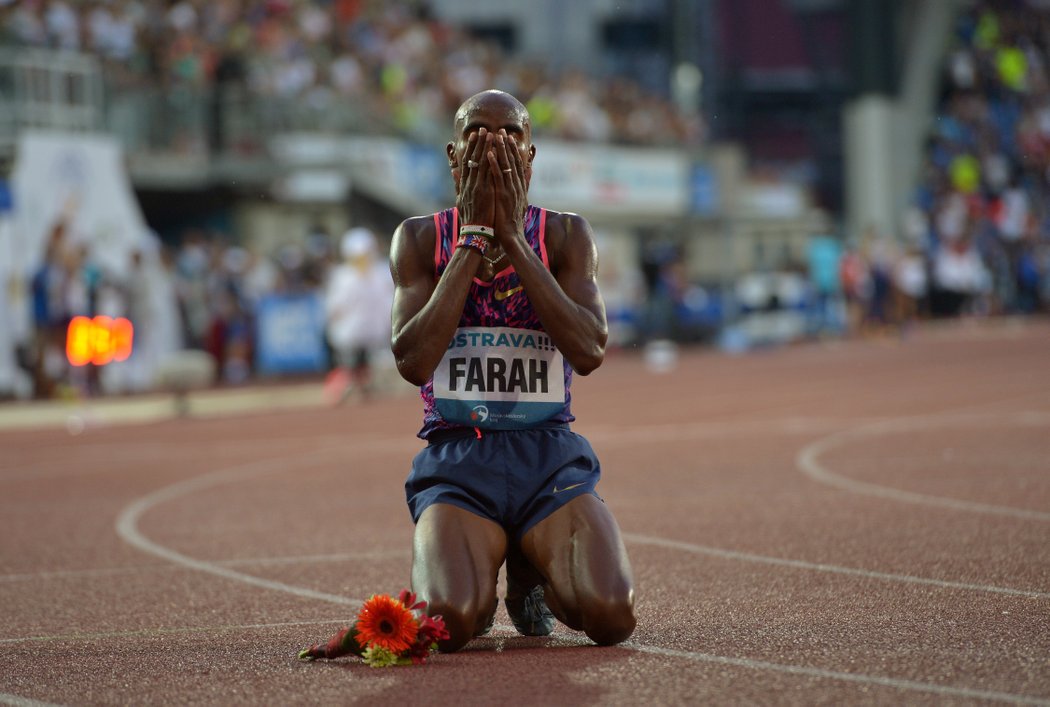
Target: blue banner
(704,194)
(290,334)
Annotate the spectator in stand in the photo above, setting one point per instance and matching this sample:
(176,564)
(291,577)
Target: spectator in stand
(880,273)
(48,286)
(909,287)
(959,278)
(855,279)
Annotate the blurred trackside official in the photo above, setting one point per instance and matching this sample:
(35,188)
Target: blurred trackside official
(496,305)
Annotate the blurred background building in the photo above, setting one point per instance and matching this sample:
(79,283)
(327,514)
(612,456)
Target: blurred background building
(757,171)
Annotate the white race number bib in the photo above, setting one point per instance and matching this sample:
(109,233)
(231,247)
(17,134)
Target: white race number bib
(500,378)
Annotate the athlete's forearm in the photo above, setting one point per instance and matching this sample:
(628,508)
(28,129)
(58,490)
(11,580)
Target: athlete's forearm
(420,343)
(578,333)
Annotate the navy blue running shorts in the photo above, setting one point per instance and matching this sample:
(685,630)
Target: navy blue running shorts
(515,478)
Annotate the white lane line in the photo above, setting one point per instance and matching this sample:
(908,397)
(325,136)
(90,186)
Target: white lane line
(498,630)
(146,633)
(236,562)
(896,683)
(832,569)
(113,454)
(127,524)
(713,429)
(18,701)
(808,460)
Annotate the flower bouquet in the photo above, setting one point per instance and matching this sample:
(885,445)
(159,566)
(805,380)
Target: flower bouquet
(387,632)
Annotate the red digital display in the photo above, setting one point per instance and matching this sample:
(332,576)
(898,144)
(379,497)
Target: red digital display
(98,340)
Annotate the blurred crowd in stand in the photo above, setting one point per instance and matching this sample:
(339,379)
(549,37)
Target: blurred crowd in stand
(976,240)
(982,213)
(392,58)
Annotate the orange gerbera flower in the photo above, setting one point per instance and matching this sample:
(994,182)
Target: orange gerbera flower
(385,622)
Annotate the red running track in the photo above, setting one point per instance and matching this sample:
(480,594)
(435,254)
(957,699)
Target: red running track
(862,522)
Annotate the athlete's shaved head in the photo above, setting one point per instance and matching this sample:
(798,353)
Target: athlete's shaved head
(493,100)
(494,112)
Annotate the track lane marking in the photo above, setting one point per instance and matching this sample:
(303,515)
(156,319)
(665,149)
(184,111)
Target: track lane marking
(145,633)
(808,461)
(234,562)
(832,569)
(19,701)
(127,524)
(896,683)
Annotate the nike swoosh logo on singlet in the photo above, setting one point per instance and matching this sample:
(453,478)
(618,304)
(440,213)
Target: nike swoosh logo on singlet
(502,295)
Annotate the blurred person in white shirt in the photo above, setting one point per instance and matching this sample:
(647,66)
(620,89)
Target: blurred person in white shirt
(910,285)
(358,297)
(959,277)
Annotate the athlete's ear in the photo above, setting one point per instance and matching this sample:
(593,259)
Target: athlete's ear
(528,166)
(453,164)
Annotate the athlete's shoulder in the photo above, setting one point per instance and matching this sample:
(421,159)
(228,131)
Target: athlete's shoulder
(565,231)
(416,226)
(565,219)
(415,237)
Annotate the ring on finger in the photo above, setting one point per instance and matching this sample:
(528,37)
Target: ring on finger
(508,171)
(471,164)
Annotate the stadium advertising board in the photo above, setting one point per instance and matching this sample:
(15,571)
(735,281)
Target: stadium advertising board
(611,180)
(596,180)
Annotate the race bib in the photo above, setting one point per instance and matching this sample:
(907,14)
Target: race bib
(500,378)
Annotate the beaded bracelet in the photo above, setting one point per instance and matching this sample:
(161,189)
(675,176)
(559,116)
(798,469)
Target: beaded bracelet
(473,240)
(484,231)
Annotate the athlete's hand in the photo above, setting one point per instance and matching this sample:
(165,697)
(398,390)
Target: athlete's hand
(476,197)
(507,166)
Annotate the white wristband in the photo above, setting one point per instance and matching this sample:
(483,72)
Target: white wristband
(483,231)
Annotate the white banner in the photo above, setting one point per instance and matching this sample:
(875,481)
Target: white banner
(83,178)
(600,179)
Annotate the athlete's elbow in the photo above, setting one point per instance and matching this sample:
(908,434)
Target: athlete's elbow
(587,361)
(411,373)
(411,370)
(408,365)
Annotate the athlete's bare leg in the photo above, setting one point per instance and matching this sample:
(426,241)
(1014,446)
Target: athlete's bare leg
(456,556)
(578,549)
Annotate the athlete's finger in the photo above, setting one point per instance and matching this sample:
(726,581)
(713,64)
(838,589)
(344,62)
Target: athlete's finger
(466,170)
(485,147)
(517,162)
(499,177)
(502,150)
(503,159)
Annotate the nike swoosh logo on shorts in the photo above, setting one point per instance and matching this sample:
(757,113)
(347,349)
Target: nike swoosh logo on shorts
(500,296)
(558,490)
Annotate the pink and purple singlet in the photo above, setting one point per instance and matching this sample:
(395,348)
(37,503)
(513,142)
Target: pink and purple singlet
(501,371)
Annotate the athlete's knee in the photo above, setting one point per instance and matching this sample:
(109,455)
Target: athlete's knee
(459,622)
(610,618)
(464,620)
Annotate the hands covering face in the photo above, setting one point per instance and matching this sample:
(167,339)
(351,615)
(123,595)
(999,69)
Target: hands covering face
(492,183)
